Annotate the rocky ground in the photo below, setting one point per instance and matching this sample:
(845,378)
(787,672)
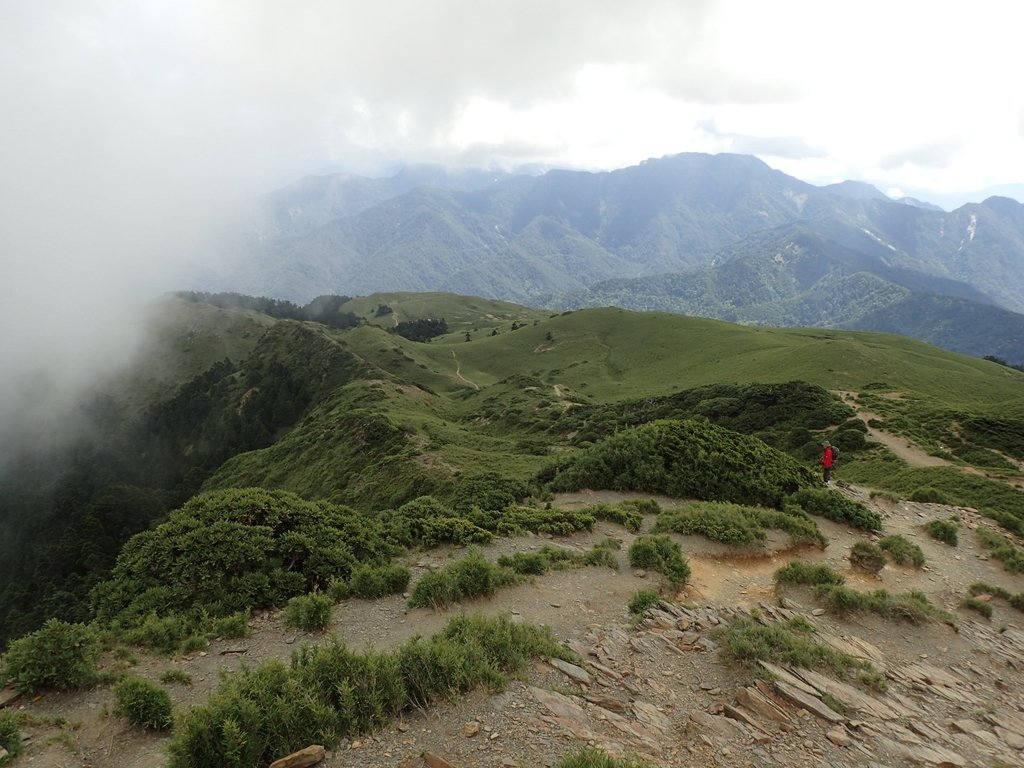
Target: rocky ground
(657,690)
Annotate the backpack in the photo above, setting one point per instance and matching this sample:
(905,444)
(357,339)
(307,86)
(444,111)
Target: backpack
(835,453)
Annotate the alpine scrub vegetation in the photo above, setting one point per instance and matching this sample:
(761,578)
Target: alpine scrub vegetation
(943,530)
(800,572)
(684,459)
(328,693)
(662,554)
(738,524)
(902,551)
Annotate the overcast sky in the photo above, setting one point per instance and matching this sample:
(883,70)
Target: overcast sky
(128,127)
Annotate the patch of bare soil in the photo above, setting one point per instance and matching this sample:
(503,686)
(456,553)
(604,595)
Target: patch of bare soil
(657,690)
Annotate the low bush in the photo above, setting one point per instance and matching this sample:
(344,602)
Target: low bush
(727,523)
(902,551)
(659,553)
(370,582)
(10,736)
(867,557)
(310,613)
(944,531)
(558,522)
(142,703)
(799,572)
(642,600)
(58,655)
(471,577)
(836,507)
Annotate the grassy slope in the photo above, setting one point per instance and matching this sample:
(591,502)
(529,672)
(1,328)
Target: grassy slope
(428,398)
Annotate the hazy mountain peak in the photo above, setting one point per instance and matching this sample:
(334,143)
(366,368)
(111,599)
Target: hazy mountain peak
(856,190)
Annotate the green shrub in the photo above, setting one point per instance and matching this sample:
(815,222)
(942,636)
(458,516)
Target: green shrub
(983,588)
(642,600)
(370,582)
(684,459)
(558,522)
(10,736)
(142,703)
(902,551)
(471,577)
(659,553)
(234,626)
(57,655)
(601,555)
(928,495)
(944,531)
(867,557)
(799,572)
(309,612)
(979,606)
(836,507)
(488,492)
(232,550)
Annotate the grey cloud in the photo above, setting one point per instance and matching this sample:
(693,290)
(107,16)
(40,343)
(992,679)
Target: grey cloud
(791,147)
(936,154)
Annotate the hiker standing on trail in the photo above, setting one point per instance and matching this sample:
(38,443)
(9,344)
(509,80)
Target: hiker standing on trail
(827,457)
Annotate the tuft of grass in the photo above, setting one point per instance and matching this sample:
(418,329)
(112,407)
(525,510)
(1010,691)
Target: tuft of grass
(978,606)
(179,676)
(928,495)
(1002,549)
(142,703)
(867,557)
(800,572)
(591,757)
(310,613)
(902,551)
(662,554)
(913,607)
(943,530)
(746,642)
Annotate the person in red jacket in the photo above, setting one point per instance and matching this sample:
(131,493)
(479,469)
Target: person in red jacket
(827,457)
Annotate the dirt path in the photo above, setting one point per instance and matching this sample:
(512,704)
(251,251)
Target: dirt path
(910,453)
(458,373)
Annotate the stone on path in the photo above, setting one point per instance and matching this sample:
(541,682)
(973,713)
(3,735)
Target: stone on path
(304,758)
(433,761)
(572,671)
(812,704)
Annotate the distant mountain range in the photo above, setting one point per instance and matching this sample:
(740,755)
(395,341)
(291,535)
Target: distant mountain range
(722,236)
